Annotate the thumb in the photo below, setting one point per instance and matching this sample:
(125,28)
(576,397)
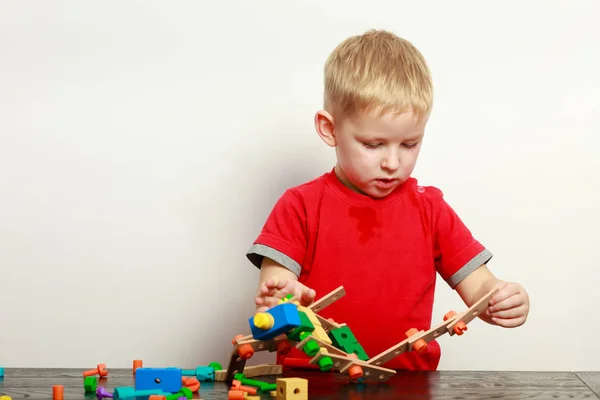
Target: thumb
(307,296)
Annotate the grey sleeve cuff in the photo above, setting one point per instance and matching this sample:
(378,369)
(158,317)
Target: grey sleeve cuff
(469,267)
(257,251)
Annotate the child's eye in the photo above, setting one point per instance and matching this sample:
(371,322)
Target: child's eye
(371,145)
(410,146)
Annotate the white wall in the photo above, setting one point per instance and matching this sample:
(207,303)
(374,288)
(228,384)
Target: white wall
(142,145)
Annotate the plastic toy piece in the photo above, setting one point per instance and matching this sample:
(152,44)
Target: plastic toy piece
(126,392)
(344,339)
(5,398)
(330,349)
(90,383)
(216,366)
(58,392)
(184,393)
(305,326)
(137,364)
(161,379)
(370,372)
(253,371)
(477,308)
(191,383)
(275,321)
(318,332)
(102,393)
(202,373)
(100,370)
(1,372)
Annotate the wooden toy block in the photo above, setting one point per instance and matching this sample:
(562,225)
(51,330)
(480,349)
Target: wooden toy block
(279,319)
(328,325)
(344,363)
(328,299)
(480,306)
(318,332)
(390,353)
(253,371)
(330,348)
(292,389)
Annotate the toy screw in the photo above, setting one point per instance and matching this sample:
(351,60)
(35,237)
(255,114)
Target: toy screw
(100,370)
(102,393)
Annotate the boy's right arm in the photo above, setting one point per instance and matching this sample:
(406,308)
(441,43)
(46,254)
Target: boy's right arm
(276,281)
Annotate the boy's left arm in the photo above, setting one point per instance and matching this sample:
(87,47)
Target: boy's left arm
(507,308)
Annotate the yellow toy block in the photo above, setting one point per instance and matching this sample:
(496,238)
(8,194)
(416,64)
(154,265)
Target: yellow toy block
(292,389)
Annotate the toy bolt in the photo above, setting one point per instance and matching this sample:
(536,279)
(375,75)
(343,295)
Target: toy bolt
(100,370)
(102,393)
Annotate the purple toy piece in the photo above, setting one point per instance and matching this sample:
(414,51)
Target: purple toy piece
(101,393)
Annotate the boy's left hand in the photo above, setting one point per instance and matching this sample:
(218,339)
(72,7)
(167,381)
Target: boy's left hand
(510,306)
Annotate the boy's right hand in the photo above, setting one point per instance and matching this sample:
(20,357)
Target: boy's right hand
(275,289)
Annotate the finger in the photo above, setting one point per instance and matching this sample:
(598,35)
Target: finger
(307,296)
(506,304)
(516,312)
(272,286)
(504,293)
(510,322)
(261,309)
(270,301)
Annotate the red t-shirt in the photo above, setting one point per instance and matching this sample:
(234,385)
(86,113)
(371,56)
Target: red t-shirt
(385,252)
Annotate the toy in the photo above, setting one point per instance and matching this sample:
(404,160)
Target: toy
(165,379)
(330,345)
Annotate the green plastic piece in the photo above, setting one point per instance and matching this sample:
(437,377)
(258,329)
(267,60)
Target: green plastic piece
(255,383)
(184,392)
(325,363)
(306,325)
(341,336)
(216,366)
(311,348)
(90,383)
(344,339)
(357,349)
(269,387)
(289,296)
(239,377)
(126,392)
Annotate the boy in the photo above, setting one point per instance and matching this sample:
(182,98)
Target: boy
(367,224)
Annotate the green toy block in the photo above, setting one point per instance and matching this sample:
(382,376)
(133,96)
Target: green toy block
(305,326)
(90,383)
(341,336)
(344,339)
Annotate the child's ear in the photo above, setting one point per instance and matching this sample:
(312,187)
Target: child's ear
(324,125)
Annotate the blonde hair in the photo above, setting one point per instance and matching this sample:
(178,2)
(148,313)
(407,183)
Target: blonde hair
(377,72)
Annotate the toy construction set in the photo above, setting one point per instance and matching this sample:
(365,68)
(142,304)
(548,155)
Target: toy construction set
(330,346)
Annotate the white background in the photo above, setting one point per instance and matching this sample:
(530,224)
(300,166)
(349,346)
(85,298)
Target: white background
(143,144)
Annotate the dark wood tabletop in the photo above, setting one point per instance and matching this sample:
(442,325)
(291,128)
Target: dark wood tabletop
(31,383)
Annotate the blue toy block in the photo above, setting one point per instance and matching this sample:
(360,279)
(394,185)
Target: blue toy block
(165,379)
(286,318)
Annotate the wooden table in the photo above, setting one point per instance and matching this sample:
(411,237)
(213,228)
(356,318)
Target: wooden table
(37,384)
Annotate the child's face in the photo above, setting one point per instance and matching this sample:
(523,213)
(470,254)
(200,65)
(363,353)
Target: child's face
(377,154)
